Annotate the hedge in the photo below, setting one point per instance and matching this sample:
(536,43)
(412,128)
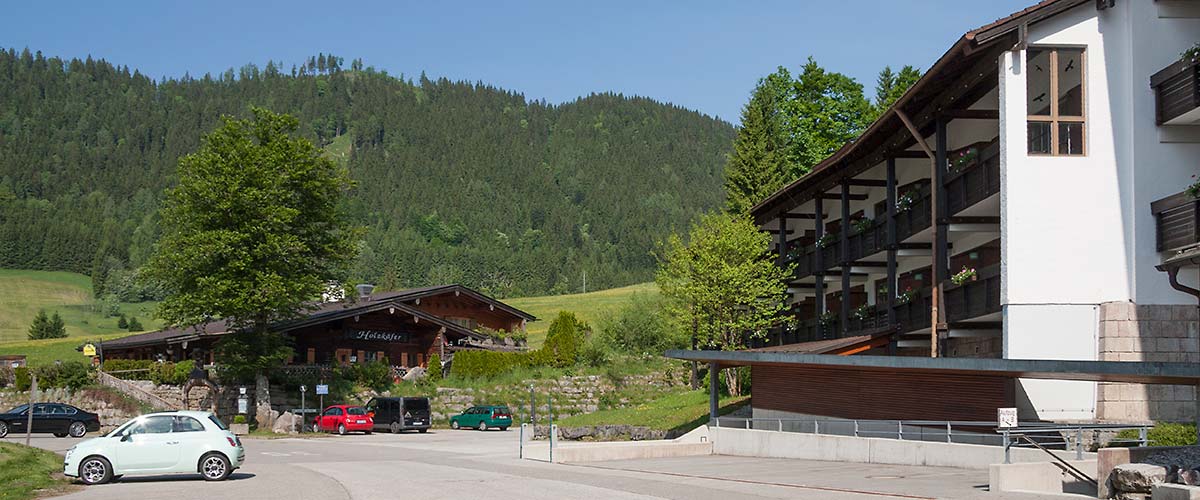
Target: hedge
(159,373)
(561,349)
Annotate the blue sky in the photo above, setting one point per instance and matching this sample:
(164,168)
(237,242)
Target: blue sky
(702,55)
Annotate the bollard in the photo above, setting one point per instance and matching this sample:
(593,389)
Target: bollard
(1079,444)
(1006,446)
(553,440)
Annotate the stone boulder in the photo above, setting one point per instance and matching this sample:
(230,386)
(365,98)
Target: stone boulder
(1137,478)
(287,423)
(417,373)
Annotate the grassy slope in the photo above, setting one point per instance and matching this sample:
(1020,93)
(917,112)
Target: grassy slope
(682,411)
(27,472)
(590,307)
(70,294)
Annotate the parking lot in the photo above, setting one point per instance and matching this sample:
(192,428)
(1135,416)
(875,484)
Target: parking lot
(470,464)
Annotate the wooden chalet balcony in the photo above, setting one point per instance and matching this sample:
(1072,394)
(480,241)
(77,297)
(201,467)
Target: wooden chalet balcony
(1175,220)
(805,259)
(975,178)
(1177,94)
(916,217)
(914,315)
(868,241)
(974,298)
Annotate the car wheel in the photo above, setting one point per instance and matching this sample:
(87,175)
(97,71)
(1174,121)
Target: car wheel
(422,431)
(483,426)
(453,425)
(316,427)
(95,470)
(367,432)
(77,429)
(342,429)
(60,434)
(3,429)
(504,428)
(214,467)
(395,428)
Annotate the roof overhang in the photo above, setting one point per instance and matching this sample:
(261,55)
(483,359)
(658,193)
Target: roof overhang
(1093,371)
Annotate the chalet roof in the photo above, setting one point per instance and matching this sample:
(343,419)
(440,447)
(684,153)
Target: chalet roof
(330,311)
(887,134)
(829,346)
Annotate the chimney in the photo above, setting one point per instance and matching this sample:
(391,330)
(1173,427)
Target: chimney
(364,291)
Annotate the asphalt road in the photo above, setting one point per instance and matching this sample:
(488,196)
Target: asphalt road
(471,464)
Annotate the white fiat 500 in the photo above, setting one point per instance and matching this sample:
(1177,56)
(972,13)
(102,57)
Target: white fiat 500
(159,443)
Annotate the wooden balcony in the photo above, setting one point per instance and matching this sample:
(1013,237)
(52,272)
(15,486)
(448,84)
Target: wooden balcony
(1175,220)
(974,298)
(867,241)
(916,217)
(974,180)
(1177,94)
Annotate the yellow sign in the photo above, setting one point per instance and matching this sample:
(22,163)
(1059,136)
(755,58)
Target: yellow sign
(89,350)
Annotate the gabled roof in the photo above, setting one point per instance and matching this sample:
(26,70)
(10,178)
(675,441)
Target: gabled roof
(430,291)
(332,311)
(961,58)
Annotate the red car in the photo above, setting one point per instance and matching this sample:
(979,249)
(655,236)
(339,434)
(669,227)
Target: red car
(343,419)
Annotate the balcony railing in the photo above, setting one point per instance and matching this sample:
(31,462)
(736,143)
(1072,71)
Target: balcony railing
(975,179)
(1177,94)
(1175,220)
(868,241)
(974,298)
(916,217)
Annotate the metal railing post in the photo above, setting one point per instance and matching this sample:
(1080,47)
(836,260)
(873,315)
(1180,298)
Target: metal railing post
(1078,443)
(856,428)
(1007,443)
(948,440)
(900,430)
(747,423)
(1142,441)
(816,427)
(781,425)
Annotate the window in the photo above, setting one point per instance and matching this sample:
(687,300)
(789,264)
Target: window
(187,424)
(1055,101)
(159,424)
(220,425)
(356,410)
(333,412)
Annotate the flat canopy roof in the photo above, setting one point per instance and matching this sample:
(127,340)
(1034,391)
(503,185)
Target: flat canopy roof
(1137,372)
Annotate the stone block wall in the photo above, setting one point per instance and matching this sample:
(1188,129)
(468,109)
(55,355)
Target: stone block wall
(112,412)
(1132,332)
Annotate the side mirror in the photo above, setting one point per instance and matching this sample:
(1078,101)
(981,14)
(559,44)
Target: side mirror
(126,438)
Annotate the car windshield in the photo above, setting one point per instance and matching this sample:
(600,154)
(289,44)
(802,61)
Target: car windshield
(503,410)
(356,410)
(19,409)
(221,425)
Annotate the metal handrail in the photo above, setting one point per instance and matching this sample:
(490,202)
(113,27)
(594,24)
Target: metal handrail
(1048,433)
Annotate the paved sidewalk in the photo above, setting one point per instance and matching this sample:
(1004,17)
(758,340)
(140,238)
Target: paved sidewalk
(471,464)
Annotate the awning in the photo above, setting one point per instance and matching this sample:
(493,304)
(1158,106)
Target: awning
(1137,372)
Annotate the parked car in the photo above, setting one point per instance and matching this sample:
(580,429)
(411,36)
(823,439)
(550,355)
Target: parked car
(59,419)
(482,418)
(159,443)
(399,414)
(343,419)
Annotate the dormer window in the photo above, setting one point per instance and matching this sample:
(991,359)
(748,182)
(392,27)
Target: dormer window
(1055,101)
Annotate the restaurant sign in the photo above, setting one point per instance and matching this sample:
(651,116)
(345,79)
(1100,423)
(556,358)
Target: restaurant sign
(377,336)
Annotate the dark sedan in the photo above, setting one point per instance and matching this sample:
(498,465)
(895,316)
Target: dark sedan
(59,419)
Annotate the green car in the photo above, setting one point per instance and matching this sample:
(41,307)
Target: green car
(482,418)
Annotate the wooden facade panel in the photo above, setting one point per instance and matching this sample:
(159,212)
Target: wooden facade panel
(328,343)
(879,395)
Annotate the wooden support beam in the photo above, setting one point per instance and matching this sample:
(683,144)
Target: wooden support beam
(974,220)
(819,265)
(832,196)
(916,133)
(908,155)
(802,216)
(971,114)
(891,253)
(845,237)
(976,325)
(865,263)
(867,182)
(941,254)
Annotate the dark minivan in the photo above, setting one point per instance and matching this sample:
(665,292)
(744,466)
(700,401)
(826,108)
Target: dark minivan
(399,414)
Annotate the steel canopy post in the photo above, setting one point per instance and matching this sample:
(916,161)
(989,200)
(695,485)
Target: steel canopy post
(713,395)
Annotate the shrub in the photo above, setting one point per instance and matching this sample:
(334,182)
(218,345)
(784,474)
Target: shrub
(66,375)
(564,339)
(6,375)
(22,379)
(159,373)
(434,373)
(594,353)
(640,327)
(1162,434)
(239,419)
(484,364)
(376,375)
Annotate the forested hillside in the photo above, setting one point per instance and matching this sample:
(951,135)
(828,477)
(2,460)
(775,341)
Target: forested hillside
(457,181)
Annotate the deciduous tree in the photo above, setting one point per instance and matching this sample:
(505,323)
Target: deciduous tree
(254,230)
(723,281)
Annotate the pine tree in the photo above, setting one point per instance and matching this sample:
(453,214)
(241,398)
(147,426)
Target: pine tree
(134,325)
(58,328)
(39,327)
(755,168)
(122,322)
(890,86)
